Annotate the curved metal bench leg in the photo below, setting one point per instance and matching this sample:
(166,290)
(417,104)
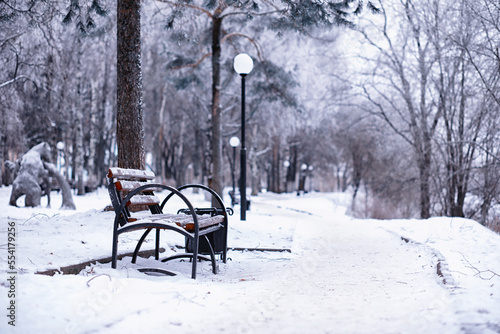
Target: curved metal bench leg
(156,270)
(212,255)
(157,246)
(224,252)
(196,242)
(139,244)
(114,251)
(185,255)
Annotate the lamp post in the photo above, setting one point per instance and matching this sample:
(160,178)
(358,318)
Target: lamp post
(234,142)
(243,65)
(60,149)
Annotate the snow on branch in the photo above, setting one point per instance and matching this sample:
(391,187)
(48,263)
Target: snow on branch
(14,80)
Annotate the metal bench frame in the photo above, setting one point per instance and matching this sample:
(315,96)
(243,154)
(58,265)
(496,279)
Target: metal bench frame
(160,221)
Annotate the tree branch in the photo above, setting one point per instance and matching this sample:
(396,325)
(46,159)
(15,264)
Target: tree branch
(479,272)
(194,64)
(257,47)
(173,3)
(14,80)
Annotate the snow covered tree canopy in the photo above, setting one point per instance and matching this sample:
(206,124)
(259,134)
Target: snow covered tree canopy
(300,14)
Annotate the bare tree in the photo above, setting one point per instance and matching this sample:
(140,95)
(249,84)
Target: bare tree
(464,96)
(400,92)
(433,87)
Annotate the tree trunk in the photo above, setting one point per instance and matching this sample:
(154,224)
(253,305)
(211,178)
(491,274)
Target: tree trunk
(105,136)
(291,174)
(79,152)
(217,171)
(274,182)
(3,142)
(463,163)
(79,155)
(94,134)
(425,176)
(180,166)
(67,199)
(129,123)
(199,149)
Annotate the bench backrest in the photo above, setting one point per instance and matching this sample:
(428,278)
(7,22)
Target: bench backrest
(121,182)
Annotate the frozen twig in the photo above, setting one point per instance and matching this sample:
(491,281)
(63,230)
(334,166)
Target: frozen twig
(478,271)
(88,282)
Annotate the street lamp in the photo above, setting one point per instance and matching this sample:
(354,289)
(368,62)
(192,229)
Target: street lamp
(234,142)
(60,149)
(243,65)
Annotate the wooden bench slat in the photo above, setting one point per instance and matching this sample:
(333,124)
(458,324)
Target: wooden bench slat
(203,223)
(167,217)
(124,185)
(139,200)
(132,174)
(182,220)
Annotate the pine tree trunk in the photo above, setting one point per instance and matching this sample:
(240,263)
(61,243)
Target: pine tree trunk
(216,183)
(129,122)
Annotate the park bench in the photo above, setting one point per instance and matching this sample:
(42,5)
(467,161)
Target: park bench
(136,207)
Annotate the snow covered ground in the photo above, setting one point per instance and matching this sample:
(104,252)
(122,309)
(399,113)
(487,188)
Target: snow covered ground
(342,275)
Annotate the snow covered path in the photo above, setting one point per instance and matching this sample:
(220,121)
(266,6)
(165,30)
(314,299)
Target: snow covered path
(360,279)
(342,275)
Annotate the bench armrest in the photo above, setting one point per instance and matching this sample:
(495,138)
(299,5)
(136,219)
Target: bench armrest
(206,211)
(221,207)
(156,186)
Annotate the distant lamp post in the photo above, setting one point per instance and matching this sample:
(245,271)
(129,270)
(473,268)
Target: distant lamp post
(234,142)
(60,150)
(243,65)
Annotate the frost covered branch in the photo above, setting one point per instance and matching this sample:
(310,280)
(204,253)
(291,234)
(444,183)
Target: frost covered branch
(480,272)
(13,80)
